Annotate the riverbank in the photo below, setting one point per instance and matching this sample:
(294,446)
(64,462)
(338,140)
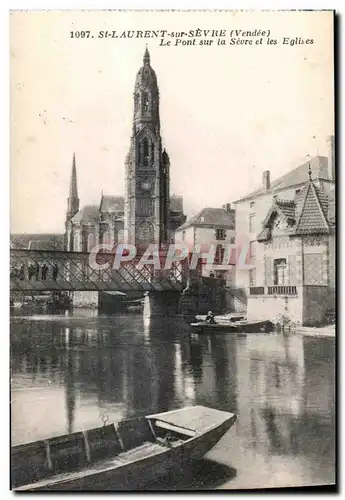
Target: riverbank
(322,331)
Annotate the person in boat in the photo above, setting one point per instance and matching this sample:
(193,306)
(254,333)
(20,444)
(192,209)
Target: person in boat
(210,318)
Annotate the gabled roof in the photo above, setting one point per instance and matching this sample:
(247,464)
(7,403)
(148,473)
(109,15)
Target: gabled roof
(308,213)
(111,203)
(295,177)
(89,213)
(211,217)
(286,208)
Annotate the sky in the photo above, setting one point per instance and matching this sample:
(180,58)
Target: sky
(227,112)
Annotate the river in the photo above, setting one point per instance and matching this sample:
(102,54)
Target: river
(72,372)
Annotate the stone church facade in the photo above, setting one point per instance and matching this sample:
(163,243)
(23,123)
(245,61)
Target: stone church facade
(147,213)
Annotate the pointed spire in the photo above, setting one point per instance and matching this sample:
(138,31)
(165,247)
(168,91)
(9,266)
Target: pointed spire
(73,200)
(146,56)
(73,189)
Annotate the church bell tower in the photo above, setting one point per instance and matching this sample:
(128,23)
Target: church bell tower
(147,166)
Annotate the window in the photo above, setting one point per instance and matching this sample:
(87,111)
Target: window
(252,204)
(90,242)
(145,232)
(252,277)
(183,235)
(275,197)
(232,240)
(251,223)
(297,191)
(252,251)
(219,257)
(136,102)
(280,272)
(220,234)
(146,102)
(146,151)
(144,206)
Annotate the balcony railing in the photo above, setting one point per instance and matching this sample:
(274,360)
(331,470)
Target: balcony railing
(273,290)
(257,290)
(282,290)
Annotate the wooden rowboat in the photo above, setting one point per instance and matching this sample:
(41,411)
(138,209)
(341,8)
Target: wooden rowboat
(233,327)
(121,456)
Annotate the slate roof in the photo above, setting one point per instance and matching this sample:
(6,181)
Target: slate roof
(211,217)
(295,177)
(287,207)
(313,215)
(111,203)
(310,212)
(89,213)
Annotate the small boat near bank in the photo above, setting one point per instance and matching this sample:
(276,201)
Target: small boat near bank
(236,327)
(119,456)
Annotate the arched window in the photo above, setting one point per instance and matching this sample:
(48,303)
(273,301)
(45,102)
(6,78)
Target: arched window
(90,242)
(107,237)
(146,151)
(146,98)
(152,152)
(136,102)
(76,240)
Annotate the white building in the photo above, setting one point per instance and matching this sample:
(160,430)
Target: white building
(211,226)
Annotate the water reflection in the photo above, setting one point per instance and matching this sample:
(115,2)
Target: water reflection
(67,372)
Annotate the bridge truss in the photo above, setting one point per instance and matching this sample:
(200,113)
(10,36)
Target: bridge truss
(50,270)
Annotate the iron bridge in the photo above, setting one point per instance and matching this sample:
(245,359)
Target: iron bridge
(50,270)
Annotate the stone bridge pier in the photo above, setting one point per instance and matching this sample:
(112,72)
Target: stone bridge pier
(162,303)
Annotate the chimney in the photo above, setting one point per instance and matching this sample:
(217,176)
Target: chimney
(266,180)
(331,157)
(227,207)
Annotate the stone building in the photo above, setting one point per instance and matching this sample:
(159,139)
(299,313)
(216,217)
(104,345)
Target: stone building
(147,213)
(211,226)
(288,228)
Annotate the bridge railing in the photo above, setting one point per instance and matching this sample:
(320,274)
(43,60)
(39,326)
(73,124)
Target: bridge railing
(59,270)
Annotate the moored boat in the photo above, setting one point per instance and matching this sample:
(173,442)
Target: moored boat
(205,327)
(119,456)
(237,327)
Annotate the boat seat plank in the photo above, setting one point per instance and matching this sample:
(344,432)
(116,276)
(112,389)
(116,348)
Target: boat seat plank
(195,418)
(103,442)
(174,428)
(135,432)
(123,459)
(67,452)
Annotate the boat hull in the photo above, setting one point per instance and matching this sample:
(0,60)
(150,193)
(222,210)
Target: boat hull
(239,327)
(157,460)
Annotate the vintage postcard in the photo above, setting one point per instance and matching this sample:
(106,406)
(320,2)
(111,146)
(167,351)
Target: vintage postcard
(173,249)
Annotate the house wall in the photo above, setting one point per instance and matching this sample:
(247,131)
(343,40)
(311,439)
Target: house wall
(262,204)
(205,236)
(271,307)
(315,304)
(308,268)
